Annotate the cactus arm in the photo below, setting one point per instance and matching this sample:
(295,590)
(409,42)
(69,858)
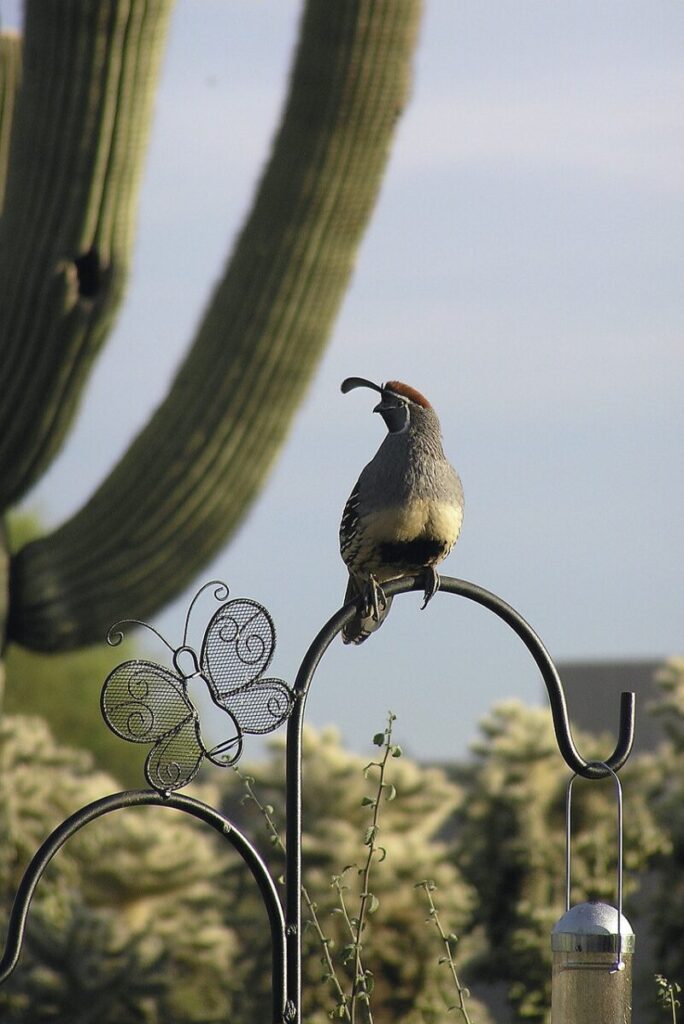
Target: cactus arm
(10,75)
(76,153)
(187,480)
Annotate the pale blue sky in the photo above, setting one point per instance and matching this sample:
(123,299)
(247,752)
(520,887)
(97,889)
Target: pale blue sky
(523,269)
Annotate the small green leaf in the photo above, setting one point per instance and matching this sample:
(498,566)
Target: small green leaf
(379,739)
(373,903)
(397,751)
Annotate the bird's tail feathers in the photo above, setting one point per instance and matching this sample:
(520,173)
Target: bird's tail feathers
(363,623)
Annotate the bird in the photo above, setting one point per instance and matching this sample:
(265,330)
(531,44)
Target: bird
(405,513)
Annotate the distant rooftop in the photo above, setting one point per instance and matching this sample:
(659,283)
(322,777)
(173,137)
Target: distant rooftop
(593,691)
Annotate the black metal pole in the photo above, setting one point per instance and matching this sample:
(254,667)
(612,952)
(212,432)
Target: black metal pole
(293,771)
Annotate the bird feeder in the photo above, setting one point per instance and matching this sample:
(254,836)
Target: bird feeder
(592,948)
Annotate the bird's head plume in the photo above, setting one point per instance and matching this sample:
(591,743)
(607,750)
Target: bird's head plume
(396,403)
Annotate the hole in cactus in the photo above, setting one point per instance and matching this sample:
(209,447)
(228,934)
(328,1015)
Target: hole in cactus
(88,269)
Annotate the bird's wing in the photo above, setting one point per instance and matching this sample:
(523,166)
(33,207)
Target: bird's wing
(349,525)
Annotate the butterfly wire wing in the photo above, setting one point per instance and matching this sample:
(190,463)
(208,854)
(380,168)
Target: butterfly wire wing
(237,649)
(238,645)
(260,706)
(146,703)
(175,759)
(143,701)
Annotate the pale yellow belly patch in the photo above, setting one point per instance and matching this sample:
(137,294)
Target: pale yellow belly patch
(422,519)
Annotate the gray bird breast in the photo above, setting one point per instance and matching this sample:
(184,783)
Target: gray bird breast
(412,465)
(410,502)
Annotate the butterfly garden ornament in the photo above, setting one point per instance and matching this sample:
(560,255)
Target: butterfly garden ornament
(201,707)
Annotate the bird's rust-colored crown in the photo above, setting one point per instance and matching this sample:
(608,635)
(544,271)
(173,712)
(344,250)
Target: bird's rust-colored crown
(408,392)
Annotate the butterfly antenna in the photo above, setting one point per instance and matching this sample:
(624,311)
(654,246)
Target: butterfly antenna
(220,593)
(115,634)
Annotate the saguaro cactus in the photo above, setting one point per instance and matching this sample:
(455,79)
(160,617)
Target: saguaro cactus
(187,479)
(10,69)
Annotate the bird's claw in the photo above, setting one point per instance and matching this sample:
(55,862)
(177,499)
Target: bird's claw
(374,600)
(431,586)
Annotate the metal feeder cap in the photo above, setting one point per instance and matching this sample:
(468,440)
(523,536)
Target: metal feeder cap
(592,928)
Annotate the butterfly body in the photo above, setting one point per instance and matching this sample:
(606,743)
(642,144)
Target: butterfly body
(218,730)
(202,706)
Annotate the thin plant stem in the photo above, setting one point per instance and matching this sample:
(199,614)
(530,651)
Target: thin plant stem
(667,994)
(429,888)
(339,888)
(351,928)
(674,1002)
(359,987)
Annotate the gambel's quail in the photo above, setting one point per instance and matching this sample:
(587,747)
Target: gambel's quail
(405,513)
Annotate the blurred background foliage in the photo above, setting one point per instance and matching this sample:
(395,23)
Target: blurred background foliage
(62,687)
(148,919)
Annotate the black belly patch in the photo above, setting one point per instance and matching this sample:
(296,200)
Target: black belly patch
(412,553)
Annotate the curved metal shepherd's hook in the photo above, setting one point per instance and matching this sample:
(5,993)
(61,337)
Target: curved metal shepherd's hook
(136,798)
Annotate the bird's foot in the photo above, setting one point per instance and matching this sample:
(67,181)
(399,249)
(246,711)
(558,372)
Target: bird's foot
(431,586)
(374,600)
